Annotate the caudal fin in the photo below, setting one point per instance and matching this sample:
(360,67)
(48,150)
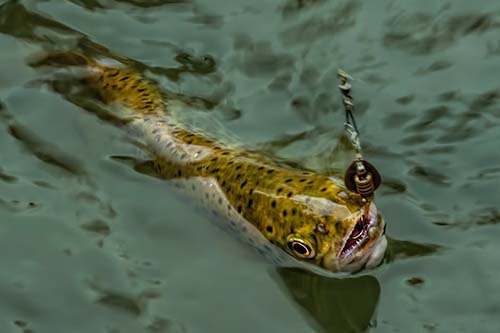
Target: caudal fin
(65,58)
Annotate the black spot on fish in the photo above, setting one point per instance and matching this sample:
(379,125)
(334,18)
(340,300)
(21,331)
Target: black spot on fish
(323,189)
(238,167)
(249,203)
(243,184)
(125,78)
(284,213)
(251,191)
(289,194)
(279,190)
(289,180)
(269,229)
(270,171)
(302,180)
(260,168)
(239,209)
(273,204)
(179,173)
(294,211)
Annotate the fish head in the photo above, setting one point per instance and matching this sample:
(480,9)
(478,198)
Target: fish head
(360,242)
(337,230)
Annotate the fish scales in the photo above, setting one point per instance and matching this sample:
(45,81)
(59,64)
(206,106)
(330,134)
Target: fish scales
(311,217)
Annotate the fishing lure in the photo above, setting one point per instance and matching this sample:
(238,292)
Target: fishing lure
(294,216)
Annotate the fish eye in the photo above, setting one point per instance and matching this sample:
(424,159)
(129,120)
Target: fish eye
(300,247)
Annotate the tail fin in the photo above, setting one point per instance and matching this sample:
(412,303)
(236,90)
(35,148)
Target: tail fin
(65,58)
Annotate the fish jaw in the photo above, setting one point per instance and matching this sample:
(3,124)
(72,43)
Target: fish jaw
(377,254)
(365,251)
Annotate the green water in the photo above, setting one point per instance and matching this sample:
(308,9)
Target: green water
(89,245)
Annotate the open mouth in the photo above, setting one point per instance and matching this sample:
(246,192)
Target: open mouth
(357,236)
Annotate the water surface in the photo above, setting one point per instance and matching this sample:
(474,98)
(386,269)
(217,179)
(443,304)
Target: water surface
(89,244)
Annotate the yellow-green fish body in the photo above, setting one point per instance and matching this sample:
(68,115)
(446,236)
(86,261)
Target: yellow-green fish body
(306,216)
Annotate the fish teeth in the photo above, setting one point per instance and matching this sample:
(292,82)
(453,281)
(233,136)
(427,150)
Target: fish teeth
(351,248)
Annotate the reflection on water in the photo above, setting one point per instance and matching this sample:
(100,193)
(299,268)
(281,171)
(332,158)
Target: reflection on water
(45,152)
(399,249)
(336,304)
(345,304)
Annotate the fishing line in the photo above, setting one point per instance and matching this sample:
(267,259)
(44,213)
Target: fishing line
(361,176)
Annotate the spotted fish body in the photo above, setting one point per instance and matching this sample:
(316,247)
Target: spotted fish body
(306,216)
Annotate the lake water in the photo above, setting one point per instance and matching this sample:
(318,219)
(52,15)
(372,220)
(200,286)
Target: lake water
(90,245)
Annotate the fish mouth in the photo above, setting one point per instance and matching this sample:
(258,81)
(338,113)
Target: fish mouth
(366,227)
(363,248)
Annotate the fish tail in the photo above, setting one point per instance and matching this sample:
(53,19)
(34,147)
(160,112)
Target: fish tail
(64,58)
(114,83)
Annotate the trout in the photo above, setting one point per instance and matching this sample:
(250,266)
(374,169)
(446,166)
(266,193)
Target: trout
(296,217)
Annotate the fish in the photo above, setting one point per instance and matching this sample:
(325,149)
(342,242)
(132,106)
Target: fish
(294,216)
